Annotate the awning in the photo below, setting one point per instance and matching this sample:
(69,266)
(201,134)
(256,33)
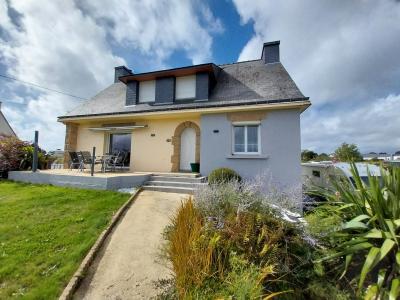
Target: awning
(117,128)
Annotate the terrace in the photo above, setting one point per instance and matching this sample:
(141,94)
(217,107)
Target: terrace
(84,179)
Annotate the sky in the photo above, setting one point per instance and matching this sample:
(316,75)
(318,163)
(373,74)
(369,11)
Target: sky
(344,55)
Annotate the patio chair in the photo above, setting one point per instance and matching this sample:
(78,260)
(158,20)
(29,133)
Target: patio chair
(115,161)
(75,161)
(86,159)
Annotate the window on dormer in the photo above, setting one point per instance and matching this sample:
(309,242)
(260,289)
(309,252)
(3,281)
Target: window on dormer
(185,87)
(147,91)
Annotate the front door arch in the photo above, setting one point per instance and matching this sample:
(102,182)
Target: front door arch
(176,142)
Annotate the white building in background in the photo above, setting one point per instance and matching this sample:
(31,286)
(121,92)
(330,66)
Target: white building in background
(5,128)
(382,156)
(396,155)
(370,156)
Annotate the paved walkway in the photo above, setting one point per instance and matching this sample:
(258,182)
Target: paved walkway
(129,263)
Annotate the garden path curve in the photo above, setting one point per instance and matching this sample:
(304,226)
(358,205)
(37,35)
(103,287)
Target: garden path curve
(128,265)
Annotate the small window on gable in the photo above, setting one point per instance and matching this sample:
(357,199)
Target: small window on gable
(185,87)
(147,91)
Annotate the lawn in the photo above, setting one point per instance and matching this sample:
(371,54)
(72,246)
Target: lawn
(45,231)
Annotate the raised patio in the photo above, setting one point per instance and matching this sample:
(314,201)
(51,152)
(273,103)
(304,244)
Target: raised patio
(99,180)
(82,179)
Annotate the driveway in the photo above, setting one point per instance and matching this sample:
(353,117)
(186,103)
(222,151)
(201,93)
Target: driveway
(129,265)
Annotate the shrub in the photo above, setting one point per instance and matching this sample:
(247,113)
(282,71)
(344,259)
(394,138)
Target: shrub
(229,242)
(368,238)
(190,250)
(44,159)
(223,175)
(12,151)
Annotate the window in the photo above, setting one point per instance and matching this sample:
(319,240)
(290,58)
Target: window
(246,139)
(147,91)
(316,173)
(185,87)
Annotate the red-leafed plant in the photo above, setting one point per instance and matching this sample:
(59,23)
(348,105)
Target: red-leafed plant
(12,151)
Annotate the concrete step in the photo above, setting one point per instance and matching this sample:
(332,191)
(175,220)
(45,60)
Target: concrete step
(175,183)
(177,174)
(169,189)
(177,179)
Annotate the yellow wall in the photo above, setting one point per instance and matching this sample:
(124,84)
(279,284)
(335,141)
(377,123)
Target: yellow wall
(87,139)
(154,153)
(147,153)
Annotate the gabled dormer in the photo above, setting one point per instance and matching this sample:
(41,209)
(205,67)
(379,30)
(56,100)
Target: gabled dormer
(180,85)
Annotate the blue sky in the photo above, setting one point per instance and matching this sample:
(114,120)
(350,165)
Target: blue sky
(343,55)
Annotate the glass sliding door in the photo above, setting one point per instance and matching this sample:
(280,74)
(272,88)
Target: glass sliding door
(121,142)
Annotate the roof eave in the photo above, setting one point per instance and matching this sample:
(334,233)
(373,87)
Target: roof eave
(302,103)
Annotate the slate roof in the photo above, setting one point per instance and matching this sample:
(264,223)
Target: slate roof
(243,83)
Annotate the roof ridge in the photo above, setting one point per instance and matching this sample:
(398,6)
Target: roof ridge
(239,62)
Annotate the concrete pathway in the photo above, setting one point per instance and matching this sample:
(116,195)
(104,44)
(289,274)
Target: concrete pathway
(128,265)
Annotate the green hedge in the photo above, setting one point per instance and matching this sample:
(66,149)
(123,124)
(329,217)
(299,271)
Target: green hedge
(223,175)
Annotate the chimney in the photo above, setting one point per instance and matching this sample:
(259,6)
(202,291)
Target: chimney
(121,71)
(0,105)
(270,52)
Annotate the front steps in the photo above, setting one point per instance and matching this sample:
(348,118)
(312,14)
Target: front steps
(174,183)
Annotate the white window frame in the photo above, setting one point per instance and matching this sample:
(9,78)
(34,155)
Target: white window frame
(141,83)
(193,83)
(245,124)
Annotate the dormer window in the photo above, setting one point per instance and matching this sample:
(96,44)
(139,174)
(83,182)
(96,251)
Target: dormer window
(147,91)
(185,87)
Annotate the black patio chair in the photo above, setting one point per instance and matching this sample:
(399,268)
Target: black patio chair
(124,161)
(115,161)
(75,161)
(86,159)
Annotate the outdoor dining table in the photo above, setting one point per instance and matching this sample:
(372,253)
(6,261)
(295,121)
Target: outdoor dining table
(104,158)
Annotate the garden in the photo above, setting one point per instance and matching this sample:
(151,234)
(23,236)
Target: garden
(238,239)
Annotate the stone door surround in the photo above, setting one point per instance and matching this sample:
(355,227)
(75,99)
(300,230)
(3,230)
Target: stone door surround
(176,143)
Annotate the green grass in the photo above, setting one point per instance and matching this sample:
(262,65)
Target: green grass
(45,231)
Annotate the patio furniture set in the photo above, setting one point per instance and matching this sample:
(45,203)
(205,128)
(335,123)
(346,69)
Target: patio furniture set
(108,162)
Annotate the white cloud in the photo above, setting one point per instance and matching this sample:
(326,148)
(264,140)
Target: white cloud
(343,54)
(71,47)
(375,126)
(158,27)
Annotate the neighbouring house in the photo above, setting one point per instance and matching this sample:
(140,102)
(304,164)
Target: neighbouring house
(377,156)
(370,156)
(396,155)
(245,116)
(5,128)
(384,156)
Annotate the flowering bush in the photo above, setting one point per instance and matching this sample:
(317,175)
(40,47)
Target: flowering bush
(12,151)
(239,240)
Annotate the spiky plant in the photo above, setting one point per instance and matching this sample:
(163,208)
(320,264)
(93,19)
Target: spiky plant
(370,229)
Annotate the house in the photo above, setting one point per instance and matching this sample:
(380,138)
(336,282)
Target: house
(396,155)
(245,116)
(377,156)
(5,128)
(384,156)
(370,156)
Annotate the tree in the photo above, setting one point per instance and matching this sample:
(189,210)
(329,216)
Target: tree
(322,157)
(307,155)
(348,153)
